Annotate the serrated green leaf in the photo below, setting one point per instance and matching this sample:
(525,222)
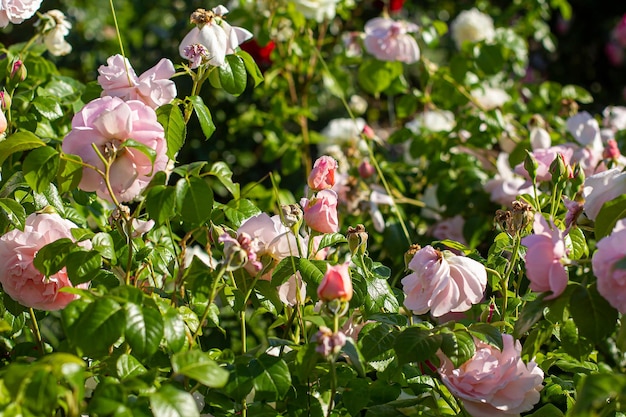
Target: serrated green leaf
(98,327)
(194,200)
(161,203)
(81,266)
(198,365)
(416,345)
(40,167)
(609,214)
(174,329)
(204,116)
(171,118)
(144,329)
(170,401)
(18,142)
(127,366)
(224,174)
(48,107)
(14,212)
(270,376)
(52,257)
(144,149)
(593,315)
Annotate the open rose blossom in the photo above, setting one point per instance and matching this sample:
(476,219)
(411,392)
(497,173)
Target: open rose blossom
(154,87)
(443,282)
(336,284)
(107,123)
(546,250)
(322,175)
(390,40)
(16,11)
(472,26)
(320,212)
(611,276)
(18,275)
(602,187)
(494,383)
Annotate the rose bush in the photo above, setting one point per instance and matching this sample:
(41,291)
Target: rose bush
(395,214)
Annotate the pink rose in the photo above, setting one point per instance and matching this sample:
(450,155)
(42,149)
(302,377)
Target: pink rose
(389,40)
(611,277)
(451,228)
(19,277)
(320,213)
(443,282)
(291,290)
(107,123)
(336,284)
(322,175)
(154,87)
(494,383)
(506,186)
(274,238)
(602,187)
(16,11)
(546,250)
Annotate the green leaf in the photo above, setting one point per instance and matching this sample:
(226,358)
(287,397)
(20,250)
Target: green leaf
(174,329)
(487,333)
(224,174)
(233,76)
(416,345)
(595,392)
(40,167)
(239,210)
(144,149)
(127,366)
(52,257)
(194,200)
(69,173)
(356,395)
(161,203)
(332,239)
(170,401)
(376,339)
(81,266)
(251,67)
(14,212)
(352,351)
(48,107)
(376,76)
(575,92)
(576,244)
(609,214)
(198,365)
(144,328)
(489,58)
(271,377)
(593,315)
(171,118)
(103,243)
(458,346)
(98,327)
(531,313)
(204,116)
(18,142)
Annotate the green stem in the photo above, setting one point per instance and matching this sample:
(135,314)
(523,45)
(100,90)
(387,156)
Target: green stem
(36,332)
(507,274)
(205,314)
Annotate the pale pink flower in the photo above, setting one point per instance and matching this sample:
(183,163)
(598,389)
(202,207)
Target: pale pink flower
(107,123)
(292,289)
(19,277)
(611,250)
(241,251)
(614,118)
(16,11)
(494,383)
(3,123)
(215,34)
(585,129)
(506,186)
(154,87)
(336,284)
(390,40)
(320,212)
(544,256)
(602,187)
(322,175)
(443,282)
(274,238)
(451,228)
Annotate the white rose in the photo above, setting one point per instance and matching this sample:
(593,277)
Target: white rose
(472,26)
(16,11)
(317,9)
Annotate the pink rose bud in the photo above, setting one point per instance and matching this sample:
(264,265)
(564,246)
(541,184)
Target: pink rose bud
(611,151)
(18,71)
(336,284)
(368,132)
(322,175)
(5,100)
(366,170)
(320,213)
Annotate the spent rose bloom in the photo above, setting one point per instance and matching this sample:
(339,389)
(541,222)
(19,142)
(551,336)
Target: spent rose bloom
(16,11)
(494,383)
(442,282)
(390,40)
(336,284)
(54,27)
(318,10)
(18,275)
(320,212)
(214,34)
(107,123)
(602,187)
(322,175)
(472,26)
(610,251)
(546,251)
(154,87)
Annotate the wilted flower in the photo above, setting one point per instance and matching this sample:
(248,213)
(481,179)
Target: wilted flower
(329,343)
(154,87)
(389,40)
(18,275)
(442,282)
(55,27)
(214,34)
(472,26)
(608,266)
(544,257)
(16,11)
(494,383)
(107,123)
